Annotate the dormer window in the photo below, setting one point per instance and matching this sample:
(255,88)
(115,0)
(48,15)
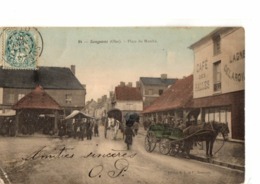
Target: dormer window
(216,45)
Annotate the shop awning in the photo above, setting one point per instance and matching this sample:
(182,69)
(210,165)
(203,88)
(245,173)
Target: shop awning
(78,114)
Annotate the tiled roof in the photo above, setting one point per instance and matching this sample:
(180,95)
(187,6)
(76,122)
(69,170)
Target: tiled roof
(179,95)
(125,93)
(37,99)
(47,77)
(157,81)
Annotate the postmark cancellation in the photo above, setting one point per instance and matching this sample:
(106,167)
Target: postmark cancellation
(21,48)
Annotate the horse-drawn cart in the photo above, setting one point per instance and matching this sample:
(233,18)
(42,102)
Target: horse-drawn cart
(117,116)
(172,140)
(168,138)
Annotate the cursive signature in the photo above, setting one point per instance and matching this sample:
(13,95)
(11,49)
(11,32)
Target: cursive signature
(120,167)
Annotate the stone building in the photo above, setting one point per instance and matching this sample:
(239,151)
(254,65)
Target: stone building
(90,107)
(59,82)
(153,87)
(127,99)
(219,78)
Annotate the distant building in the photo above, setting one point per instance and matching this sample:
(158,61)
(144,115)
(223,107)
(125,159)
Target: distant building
(152,87)
(219,78)
(127,99)
(90,107)
(59,82)
(103,105)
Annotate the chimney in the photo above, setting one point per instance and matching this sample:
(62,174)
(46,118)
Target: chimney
(163,76)
(122,84)
(130,84)
(73,69)
(84,86)
(111,94)
(138,84)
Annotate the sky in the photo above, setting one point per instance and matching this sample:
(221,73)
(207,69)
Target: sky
(105,56)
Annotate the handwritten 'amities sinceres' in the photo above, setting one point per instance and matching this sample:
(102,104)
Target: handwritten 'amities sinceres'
(68,153)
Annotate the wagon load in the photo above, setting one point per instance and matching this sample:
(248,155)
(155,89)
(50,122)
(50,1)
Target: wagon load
(172,140)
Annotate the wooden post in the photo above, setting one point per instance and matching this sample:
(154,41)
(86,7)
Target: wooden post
(17,122)
(185,114)
(55,122)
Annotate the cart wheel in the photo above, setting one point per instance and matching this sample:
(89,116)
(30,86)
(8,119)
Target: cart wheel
(147,144)
(175,148)
(164,146)
(150,142)
(153,141)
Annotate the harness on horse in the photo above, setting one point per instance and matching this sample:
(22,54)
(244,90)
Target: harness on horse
(212,128)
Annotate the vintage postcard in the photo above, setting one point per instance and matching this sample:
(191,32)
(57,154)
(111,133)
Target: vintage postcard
(122,105)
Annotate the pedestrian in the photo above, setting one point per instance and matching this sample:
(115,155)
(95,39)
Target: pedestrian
(78,130)
(129,134)
(96,131)
(82,130)
(61,132)
(136,127)
(181,125)
(89,126)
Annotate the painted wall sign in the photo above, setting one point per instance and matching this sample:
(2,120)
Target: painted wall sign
(202,83)
(233,75)
(238,56)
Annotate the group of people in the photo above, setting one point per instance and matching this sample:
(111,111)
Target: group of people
(176,123)
(7,126)
(114,126)
(80,128)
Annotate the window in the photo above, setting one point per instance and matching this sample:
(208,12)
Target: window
(150,91)
(10,98)
(216,45)
(160,92)
(20,96)
(219,114)
(68,98)
(217,76)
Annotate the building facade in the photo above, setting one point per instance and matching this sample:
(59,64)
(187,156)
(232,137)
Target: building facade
(153,87)
(59,82)
(103,105)
(219,78)
(90,107)
(127,99)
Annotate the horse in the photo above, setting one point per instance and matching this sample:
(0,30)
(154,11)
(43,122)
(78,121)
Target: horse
(205,132)
(113,125)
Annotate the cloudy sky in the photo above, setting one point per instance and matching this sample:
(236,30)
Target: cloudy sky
(105,56)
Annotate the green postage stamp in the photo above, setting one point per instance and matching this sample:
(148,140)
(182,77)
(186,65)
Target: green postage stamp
(21,48)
